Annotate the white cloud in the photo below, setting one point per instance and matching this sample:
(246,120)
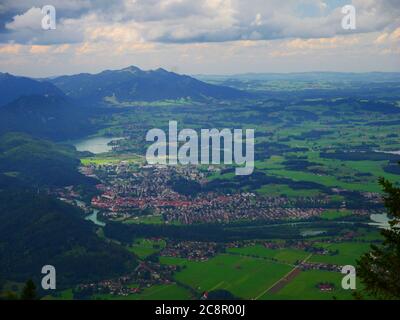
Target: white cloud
(180,21)
(30,20)
(70,5)
(39,49)
(215,36)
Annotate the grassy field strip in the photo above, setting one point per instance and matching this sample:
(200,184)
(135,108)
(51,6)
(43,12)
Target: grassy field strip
(246,277)
(155,291)
(281,279)
(217,286)
(274,284)
(262,258)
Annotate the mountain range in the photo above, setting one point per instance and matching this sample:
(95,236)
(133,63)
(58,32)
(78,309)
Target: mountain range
(13,87)
(133,84)
(60,108)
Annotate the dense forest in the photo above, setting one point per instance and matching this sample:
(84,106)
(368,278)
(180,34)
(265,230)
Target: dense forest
(36,229)
(38,163)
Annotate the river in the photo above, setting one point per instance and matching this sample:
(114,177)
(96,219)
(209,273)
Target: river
(93,218)
(380,221)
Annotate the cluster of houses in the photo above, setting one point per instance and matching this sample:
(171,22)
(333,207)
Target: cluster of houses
(146,274)
(325,286)
(191,250)
(319,266)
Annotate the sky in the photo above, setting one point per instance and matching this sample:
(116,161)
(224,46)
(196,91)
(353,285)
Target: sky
(199,36)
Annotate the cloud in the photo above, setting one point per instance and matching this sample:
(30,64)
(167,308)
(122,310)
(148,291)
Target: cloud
(30,19)
(322,43)
(115,32)
(214,36)
(382,38)
(40,49)
(62,48)
(386,38)
(389,42)
(396,34)
(188,21)
(235,20)
(66,7)
(10,49)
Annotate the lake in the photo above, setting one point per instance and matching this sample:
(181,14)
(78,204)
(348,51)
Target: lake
(96,145)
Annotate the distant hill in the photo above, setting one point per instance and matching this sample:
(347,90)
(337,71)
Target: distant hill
(26,161)
(47,116)
(13,87)
(308,76)
(133,84)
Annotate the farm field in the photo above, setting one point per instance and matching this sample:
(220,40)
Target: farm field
(248,272)
(151,219)
(110,158)
(244,277)
(335,214)
(304,287)
(288,256)
(146,247)
(238,271)
(347,253)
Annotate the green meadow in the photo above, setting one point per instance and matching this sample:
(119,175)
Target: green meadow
(289,256)
(304,287)
(346,253)
(146,247)
(250,272)
(151,219)
(335,214)
(245,277)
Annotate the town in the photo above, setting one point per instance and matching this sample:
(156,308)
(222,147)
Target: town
(180,194)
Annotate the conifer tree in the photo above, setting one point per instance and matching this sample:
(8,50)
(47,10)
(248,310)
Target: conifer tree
(379,269)
(29,291)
